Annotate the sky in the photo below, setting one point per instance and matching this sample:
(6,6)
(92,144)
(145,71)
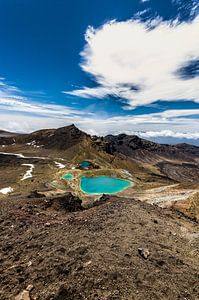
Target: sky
(107,66)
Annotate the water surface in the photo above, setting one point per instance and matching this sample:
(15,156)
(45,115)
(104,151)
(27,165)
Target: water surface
(68,176)
(103,185)
(85,164)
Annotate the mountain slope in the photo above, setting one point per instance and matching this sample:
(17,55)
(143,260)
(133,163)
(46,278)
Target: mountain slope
(94,253)
(132,153)
(135,147)
(61,138)
(128,145)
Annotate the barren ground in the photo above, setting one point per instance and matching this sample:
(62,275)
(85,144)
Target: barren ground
(93,254)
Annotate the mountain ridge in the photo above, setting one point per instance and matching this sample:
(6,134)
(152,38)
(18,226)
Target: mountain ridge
(123,151)
(72,129)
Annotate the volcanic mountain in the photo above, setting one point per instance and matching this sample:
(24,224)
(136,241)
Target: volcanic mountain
(128,145)
(135,147)
(61,138)
(177,162)
(59,243)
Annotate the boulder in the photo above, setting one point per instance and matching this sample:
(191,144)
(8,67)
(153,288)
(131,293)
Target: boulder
(67,202)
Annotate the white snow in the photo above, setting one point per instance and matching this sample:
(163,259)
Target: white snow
(28,173)
(31,143)
(59,165)
(22,156)
(15,154)
(34,144)
(127,173)
(6,190)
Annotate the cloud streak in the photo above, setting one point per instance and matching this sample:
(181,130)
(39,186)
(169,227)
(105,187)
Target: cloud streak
(12,99)
(175,120)
(30,116)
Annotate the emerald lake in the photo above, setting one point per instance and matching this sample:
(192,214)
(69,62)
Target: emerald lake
(103,185)
(67,176)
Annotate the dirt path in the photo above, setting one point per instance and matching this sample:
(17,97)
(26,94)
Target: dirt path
(164,196)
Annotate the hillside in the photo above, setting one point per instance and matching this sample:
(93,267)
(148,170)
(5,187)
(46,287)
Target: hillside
(4,133)
(60,243)
(94,253)
(61,138)
(135,147)
(131,146)
(144,159)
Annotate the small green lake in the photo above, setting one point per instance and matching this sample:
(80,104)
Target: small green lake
(67,176)
(85,164)
(103,185)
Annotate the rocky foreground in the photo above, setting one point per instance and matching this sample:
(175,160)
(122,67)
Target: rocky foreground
(55,249)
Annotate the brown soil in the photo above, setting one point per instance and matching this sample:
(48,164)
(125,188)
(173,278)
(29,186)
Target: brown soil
(93,254)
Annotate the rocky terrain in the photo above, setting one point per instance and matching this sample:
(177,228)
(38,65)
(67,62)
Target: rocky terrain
(121,249)
(58,243)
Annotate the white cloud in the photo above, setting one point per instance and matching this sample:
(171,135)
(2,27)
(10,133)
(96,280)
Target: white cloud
(176,113)
(169,133)
(167,122)
(30,116)
(121,55)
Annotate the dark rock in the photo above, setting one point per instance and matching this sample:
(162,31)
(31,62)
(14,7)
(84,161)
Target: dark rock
(93,203)
(35,194)
(67,293)
(136,147)
(66,202)
(144,252)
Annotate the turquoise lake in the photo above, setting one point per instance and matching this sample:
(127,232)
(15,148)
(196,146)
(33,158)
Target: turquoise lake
(85,164)
(68,176)
(103,185)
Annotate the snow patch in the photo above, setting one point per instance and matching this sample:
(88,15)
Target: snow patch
(22,156)
(28,173)
(31,143)
(34,144)
(127,173)
(59,165)
(6,190)
(15,154)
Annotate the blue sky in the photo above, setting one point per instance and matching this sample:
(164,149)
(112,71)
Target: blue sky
(107,66)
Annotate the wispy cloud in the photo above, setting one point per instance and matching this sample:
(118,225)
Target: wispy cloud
(173,122)
(191,7)
(28,115)
(13,99)
(123,55)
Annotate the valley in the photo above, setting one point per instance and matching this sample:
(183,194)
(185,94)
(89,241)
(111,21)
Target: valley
(60,239)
